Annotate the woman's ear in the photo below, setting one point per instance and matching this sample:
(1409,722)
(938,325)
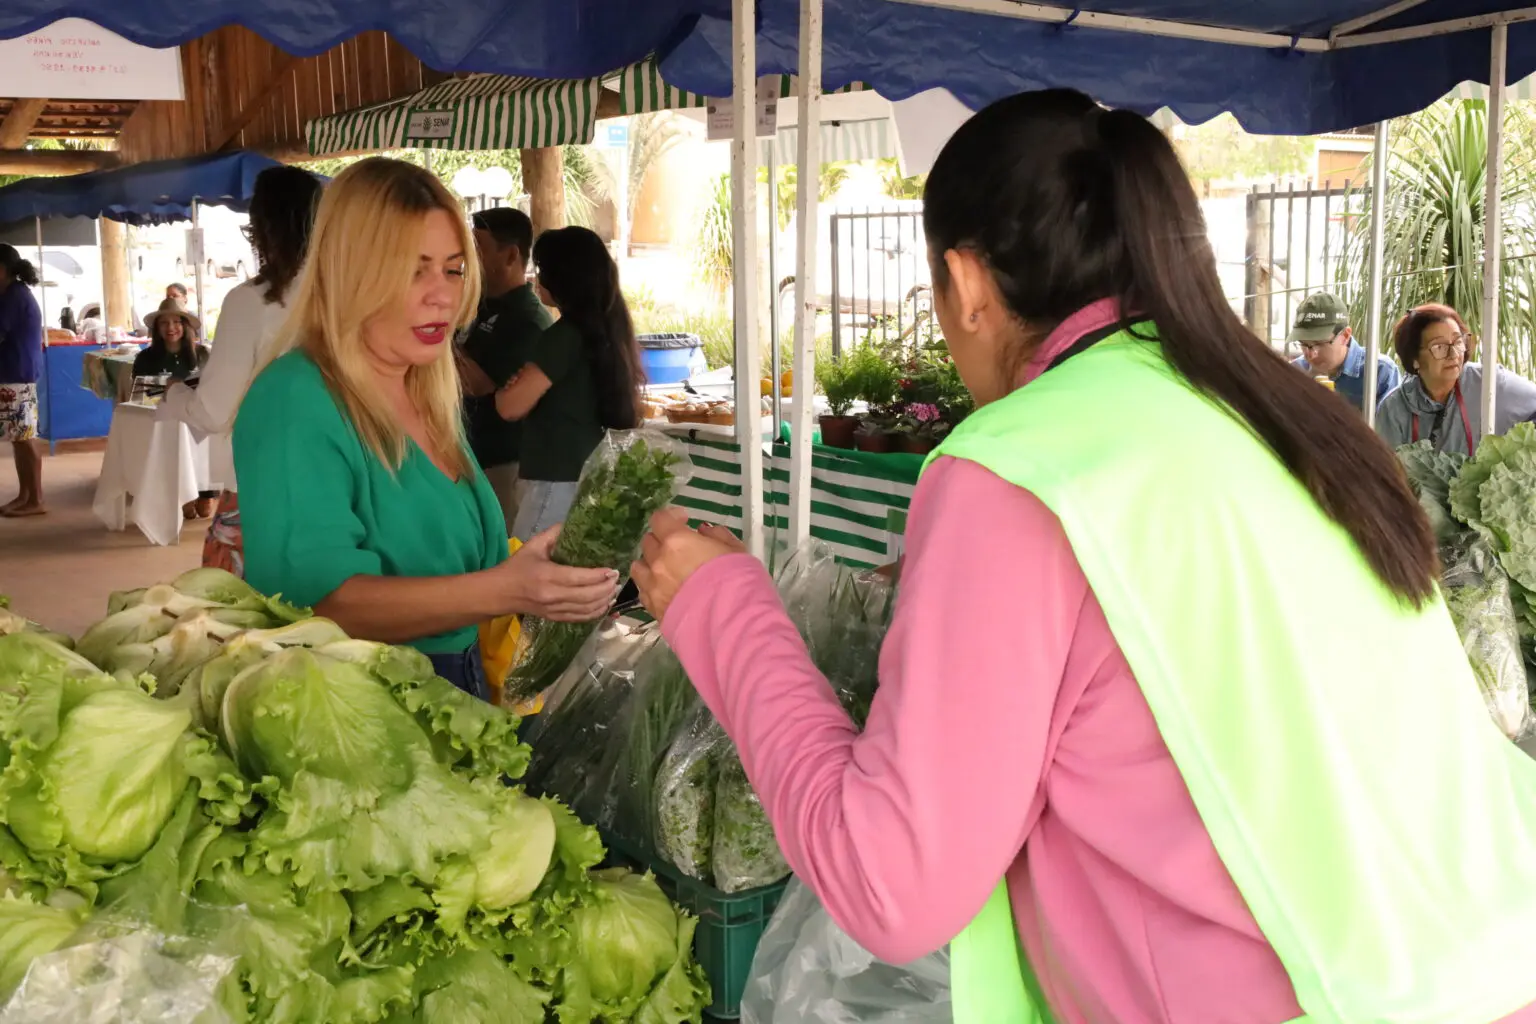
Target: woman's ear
(971,285)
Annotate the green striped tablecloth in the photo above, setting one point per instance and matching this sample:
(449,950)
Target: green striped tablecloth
(858,501)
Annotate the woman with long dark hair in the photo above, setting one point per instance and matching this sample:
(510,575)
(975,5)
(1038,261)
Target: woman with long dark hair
(282,208)
(583,377)
(1171,702)
(21,361)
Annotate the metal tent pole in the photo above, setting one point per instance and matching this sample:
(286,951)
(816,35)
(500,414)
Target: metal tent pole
(807,175)
(744,268)
(775,329)
(1493,223)
(42,276)
(197,271)
(1374,326)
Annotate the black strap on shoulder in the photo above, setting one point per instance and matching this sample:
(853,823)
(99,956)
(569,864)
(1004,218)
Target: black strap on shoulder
(1087,342)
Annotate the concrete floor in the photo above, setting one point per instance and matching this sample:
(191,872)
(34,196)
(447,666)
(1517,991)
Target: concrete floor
(58,569)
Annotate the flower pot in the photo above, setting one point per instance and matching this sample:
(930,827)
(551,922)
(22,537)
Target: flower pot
(914,445)
(838,431)
(877,441)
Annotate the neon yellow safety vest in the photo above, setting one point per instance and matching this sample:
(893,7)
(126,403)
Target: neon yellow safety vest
(1379,826)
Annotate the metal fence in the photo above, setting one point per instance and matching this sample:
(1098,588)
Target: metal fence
(878,285)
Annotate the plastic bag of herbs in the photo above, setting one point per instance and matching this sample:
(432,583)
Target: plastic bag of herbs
(1477,592)
(628,477)
(575,753)
(683,785)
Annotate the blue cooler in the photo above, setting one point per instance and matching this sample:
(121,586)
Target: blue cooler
(671,358)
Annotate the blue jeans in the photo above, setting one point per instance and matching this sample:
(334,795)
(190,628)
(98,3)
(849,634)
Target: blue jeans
(464,670)
(540,505)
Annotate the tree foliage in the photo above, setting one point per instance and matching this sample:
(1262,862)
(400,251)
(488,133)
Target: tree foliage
(1219,150)
(1434,223)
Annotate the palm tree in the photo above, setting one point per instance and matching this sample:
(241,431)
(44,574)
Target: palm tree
(1433,246)
(831,178)
(895,185)
(712,241)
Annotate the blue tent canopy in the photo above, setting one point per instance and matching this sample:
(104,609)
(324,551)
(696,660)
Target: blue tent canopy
(902,49)
(899,48)
(537,38)
(148,193)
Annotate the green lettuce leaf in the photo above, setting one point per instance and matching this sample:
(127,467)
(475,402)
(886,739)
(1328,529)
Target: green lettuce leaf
(473,987)
(626,939)
(683,992)
(507,871)
(29,930)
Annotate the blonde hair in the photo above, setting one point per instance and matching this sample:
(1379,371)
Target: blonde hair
(363,255)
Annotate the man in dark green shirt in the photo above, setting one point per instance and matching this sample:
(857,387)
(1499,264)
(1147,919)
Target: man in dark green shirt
(499,343)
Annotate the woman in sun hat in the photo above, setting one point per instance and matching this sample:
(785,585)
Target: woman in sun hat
(173,347)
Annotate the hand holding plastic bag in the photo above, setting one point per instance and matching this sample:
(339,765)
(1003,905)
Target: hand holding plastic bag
(808,971)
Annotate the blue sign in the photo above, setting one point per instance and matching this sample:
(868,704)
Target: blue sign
(615,135)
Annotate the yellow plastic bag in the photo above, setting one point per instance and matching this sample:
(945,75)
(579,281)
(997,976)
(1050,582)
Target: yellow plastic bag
(498,646)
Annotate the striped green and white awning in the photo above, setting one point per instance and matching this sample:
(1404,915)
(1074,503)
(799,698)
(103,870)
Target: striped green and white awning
(475,112)
(841,141)
(642,90)
(858,502)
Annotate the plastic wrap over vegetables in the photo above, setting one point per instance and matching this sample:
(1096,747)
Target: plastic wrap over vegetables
(630,476)
(808,971)
(1477,591)
(124,972)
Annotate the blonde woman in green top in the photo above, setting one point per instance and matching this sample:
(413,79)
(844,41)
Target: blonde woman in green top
(358,494)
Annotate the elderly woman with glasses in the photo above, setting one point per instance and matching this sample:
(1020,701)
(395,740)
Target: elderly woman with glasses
(1441,399)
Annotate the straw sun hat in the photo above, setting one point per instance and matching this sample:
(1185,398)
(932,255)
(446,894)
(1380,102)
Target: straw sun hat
(172,307)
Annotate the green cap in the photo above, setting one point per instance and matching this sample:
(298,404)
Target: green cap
(1319,317)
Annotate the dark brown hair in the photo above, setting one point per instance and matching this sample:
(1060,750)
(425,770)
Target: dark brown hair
(1069,203)
(282,213)
(577,271)
(20,269)
(1408,335)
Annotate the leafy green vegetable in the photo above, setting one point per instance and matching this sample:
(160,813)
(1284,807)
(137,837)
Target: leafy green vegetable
(29,930)
(686,786)
(746,853)
(626,480)
(627,940)
(349,830)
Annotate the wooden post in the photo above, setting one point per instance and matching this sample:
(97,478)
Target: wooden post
(116,302)
(544,181)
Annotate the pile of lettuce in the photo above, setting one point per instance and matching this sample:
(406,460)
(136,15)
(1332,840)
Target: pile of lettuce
(626,741)
(1483,511)
(337,820)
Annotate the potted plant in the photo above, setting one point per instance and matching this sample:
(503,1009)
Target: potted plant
(875,435)
(838,383)
(919,429)
(878,379)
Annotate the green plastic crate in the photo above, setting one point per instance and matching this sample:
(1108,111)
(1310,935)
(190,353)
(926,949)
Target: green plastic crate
(730,926)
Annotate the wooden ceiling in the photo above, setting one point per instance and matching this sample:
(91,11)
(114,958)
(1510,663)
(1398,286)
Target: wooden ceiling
(75,119)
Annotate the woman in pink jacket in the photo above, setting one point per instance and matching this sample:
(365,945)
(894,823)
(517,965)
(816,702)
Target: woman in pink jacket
(1012,739)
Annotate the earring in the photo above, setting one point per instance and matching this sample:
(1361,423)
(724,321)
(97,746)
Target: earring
(975,317)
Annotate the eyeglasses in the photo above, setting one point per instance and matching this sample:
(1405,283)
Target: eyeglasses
(1442,349)
(1313,346)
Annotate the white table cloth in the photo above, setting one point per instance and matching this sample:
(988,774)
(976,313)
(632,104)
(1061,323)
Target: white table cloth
(154,461)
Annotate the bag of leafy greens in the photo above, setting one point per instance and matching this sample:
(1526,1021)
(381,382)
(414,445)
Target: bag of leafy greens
(1477,591)
(746,852)
(628,477)
(685,796)
(574,740)
(664,700)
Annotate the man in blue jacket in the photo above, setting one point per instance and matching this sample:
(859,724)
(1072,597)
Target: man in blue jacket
(1329,349)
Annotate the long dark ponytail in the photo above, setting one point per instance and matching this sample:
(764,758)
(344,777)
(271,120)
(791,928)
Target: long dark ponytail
(575,268)
(20,269)
(1070,203)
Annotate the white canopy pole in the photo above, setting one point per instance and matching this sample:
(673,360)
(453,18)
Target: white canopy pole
(744,268)
(1493,224)
(202,258)
(808,175)
(1373,318)
(42,275)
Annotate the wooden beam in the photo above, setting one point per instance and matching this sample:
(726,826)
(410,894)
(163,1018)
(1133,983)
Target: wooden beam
(17,127)
(253,107)
(45,163)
